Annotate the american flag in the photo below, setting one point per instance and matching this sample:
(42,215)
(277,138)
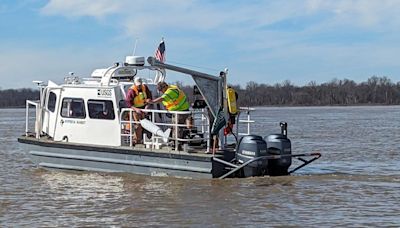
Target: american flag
(160,52)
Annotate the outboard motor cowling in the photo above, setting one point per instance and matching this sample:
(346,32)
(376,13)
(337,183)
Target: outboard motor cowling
(279,144)
(250,147)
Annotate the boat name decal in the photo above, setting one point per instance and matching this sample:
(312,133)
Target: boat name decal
(104,92)
(68,121)
(247,152)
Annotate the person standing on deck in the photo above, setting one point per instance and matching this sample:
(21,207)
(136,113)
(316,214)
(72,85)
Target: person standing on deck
(174,99)
(136,99)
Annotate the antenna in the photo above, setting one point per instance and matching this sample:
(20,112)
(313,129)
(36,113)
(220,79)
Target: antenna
(134,49)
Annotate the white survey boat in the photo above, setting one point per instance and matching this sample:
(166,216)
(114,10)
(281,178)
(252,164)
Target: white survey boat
(83,124)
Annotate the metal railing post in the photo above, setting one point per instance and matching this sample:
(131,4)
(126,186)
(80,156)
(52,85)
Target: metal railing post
(176,131)
(130,128)
(26,117)
(248,122)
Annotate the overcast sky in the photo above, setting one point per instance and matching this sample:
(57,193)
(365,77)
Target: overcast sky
(263,41)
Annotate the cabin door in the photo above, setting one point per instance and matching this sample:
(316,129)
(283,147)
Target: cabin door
(51,107)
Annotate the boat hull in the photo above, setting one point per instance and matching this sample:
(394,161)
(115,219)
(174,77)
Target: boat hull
(62,155)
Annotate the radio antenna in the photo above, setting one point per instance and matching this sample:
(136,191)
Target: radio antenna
(134,49)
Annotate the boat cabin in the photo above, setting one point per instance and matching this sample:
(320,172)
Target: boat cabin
(93,110)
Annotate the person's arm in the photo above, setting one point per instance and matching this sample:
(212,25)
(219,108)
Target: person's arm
(129,98)
(148,92)
(149,96)
(157,100)
(137,110)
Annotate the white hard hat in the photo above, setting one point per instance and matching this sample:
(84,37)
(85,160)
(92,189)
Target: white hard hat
(138,81)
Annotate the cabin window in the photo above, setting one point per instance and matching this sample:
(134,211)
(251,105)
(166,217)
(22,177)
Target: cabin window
(101,109)
(51,103)
(73,108)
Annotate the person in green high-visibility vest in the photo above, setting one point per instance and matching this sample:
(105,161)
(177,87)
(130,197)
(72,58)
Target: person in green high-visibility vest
(174,99)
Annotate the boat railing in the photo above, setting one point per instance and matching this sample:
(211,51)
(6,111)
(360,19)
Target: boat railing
(36,104)
(247,121)
(201,123)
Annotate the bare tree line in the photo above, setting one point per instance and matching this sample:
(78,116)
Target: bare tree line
(14,98)
(376,90)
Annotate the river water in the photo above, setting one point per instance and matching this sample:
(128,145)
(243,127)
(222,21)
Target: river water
(355,183)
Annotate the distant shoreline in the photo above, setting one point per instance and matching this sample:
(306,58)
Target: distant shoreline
(277,106)
(336,105)
(337,93)
(16,107)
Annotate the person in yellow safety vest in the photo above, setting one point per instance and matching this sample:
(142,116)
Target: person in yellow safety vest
(174,99)
(136,99)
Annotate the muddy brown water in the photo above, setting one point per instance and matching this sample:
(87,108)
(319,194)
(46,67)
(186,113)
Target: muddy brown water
(355,183)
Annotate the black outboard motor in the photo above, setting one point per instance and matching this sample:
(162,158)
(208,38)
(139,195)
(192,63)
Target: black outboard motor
(279,144)
(249,147)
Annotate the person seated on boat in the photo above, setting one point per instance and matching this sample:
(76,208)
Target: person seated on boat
(174,99)
(136,99)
